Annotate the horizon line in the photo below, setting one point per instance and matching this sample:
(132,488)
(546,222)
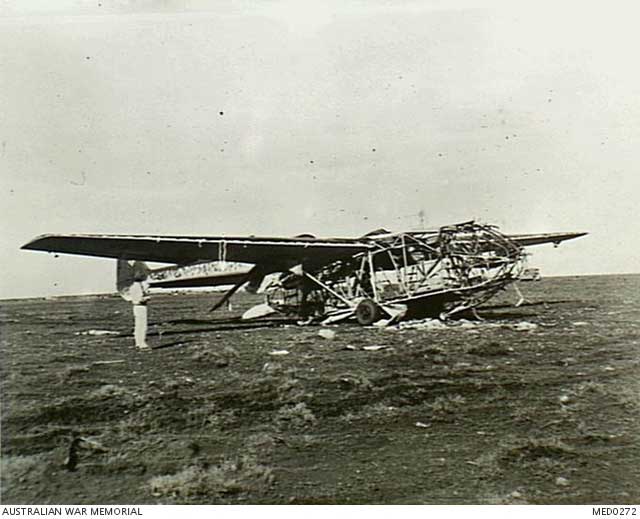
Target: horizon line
(204,289)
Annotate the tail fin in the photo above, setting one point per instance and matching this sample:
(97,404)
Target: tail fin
(128,272)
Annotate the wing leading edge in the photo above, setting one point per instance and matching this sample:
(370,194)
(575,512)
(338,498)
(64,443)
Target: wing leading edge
(184,250)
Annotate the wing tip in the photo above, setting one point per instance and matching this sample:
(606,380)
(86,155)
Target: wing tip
(569,236)
(38,240)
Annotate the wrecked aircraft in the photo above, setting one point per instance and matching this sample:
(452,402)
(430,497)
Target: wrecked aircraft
(381,275)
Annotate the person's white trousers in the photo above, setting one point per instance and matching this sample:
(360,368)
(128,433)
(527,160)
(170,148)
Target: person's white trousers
(140,332)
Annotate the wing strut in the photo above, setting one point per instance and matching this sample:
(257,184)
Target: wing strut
(229,293)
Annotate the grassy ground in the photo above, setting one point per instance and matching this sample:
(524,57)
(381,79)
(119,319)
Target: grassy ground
(539,404)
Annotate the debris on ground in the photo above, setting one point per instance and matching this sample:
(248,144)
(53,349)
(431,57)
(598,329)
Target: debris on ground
(423,425)
(460,324)
(463,323)
(562,482)
(338,316)
(395,312)
(374,348)
(382,323)
(327,334)
(279,352)
(98,332)
(426,324)
(524,326)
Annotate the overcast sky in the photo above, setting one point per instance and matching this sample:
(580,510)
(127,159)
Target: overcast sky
(334,118)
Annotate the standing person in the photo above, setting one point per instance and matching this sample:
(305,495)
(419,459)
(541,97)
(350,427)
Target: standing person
(139,294)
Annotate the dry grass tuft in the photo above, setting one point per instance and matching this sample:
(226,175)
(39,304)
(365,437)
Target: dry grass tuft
(296,416)
(446,407)
(108,391)
(534,450)
(244,474)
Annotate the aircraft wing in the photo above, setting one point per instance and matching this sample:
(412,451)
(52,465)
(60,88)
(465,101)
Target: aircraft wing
(525,240)
(184,250)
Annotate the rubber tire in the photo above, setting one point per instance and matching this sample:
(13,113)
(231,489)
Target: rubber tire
(368,312)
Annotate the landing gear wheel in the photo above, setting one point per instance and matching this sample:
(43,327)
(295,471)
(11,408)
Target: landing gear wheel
(367,312)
